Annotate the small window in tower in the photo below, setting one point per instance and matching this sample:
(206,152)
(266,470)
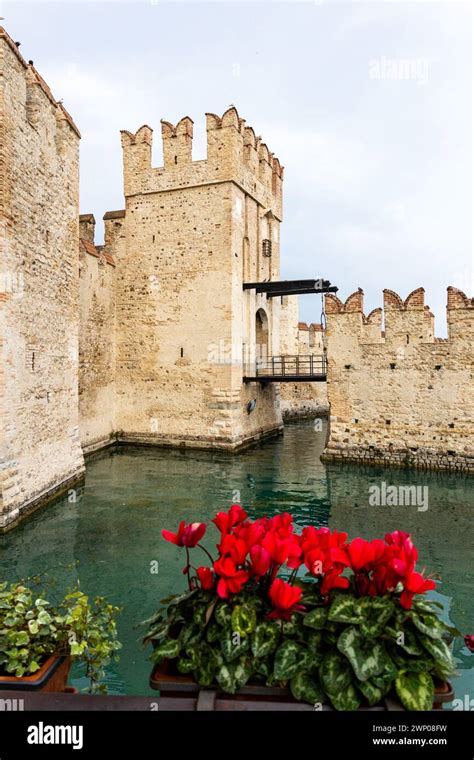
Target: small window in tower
(267,248)
(176,159)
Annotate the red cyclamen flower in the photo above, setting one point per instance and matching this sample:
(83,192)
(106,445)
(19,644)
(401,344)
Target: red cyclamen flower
(260,561)
(227,520)
(206,578)
(469,642)
(414,583)
(187,535)
(284,598)
(231,579)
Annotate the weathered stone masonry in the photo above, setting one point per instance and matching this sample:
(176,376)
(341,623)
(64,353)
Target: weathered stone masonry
(97,331)
(401,396)
(40,451)
(191,233)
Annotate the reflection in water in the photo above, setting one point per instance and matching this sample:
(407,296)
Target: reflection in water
(114,528)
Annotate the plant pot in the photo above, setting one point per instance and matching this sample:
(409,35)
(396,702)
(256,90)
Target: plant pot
(178,687)
(51,677)
(444,692)
(166,679)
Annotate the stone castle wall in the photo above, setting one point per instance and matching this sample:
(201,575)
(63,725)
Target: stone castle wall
(97,274)
(39,292)
(400,395)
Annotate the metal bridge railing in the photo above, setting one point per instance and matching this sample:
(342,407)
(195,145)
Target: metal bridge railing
(291,366)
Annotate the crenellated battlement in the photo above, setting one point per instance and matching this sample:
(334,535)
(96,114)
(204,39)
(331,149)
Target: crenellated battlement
(398,395)
(401,321)
(40,106)
(458,300)
(234,153)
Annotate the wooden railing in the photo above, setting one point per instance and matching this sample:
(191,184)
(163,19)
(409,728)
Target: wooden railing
(288,368)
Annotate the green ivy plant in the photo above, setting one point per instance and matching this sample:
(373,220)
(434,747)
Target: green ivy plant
(32,629)
(350,652)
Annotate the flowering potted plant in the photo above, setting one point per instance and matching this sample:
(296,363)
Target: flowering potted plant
(39,640)
(353,631)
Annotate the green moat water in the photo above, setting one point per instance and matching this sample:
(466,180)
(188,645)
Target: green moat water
(114,528)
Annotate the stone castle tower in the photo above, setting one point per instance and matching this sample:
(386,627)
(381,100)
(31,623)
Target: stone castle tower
(191,233)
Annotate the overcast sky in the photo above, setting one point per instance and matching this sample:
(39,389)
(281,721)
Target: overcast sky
(367,105)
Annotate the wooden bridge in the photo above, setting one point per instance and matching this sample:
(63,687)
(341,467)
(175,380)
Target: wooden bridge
(287,369)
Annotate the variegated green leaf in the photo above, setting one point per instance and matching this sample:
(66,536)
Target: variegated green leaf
(346,700)
(420,664)
(233,645)
(225,677)
(264,639)
(406,639)
(385,680)
(157,633)
(189,634)
(199,616)
(421,604)
(289,658)
(292,627)
(368,658)
(316,618)
(243,619)
(184,665)
(335,673)
(382,682)
(440,652)
(330,638)
(415,690)
(223,614)
(263,667)
(232,676)
(306,688)
(213,632)
(314,641)
(429,624)
(373,694)
(167,650)
(243,671)
(375,612)
(344,609)
(315,649)
(204,673)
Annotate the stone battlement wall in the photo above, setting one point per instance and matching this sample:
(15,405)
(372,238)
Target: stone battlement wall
(400,395)
(234,153)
